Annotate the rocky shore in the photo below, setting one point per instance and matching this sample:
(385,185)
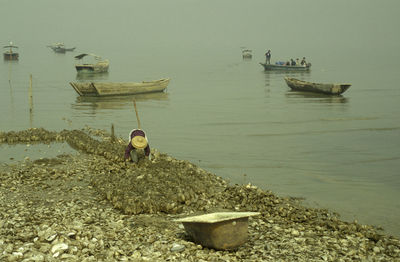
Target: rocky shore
(92,206)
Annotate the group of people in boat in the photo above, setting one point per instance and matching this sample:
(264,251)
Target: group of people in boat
(292,62)
(296,62)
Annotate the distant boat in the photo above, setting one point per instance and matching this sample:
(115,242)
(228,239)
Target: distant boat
(60,48)
(98,66)
(331,89)
(10,54)
(271,67)
(119,88)
(247,53)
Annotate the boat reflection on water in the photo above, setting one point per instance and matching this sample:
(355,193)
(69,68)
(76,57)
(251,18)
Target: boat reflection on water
(82,76)
(277,75)
(282,74)
(114,102)
(5,61)
(307,97)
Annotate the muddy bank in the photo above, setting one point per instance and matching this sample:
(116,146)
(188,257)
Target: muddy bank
(92,206)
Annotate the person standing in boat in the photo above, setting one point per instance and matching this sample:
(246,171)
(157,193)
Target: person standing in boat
(268,57)
(137,141)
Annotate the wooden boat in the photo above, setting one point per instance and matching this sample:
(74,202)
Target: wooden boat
(63,49)
(98,66)
(60,48)
(331,89)
(10,54)
(270,67)
(119,88)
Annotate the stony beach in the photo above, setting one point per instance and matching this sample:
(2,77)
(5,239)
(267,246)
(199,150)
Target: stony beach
(92,206)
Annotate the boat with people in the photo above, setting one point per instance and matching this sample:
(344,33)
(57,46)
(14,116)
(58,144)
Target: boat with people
(325,88)
(119,88)
(99,65)
(286,67)
(60,48)
(10,54)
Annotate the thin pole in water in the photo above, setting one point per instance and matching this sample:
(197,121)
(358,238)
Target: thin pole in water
(137,115)
(30,95)
(112,132)
(30,102)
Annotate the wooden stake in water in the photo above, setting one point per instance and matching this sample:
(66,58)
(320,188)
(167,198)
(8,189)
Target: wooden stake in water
(30,102)
(112,132)
(9,74)
(137,115)
(30,95)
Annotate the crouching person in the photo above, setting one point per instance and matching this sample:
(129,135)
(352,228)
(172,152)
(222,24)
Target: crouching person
(137,141)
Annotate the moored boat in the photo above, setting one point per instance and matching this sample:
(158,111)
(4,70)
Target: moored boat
(98,66)
(247,54)
(328,88)
(10,54)
(119,88)
(60,48)
(271,67)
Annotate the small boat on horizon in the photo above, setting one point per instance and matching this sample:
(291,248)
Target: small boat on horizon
(10,54)
(60,48)
(119,88)
(99,65)
(247,54)
(330,89)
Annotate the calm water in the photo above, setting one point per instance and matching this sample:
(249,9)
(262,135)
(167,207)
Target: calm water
(221,112)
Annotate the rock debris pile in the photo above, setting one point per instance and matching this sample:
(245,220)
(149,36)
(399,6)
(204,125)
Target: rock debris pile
(92,206)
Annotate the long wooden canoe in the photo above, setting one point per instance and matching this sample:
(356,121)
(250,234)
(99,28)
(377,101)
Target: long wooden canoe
(119,88)
(331,89)
(271,67)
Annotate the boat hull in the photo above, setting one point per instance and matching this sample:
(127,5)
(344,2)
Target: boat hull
(119,88)
(84,89)
(62,49)
(247,54)
(83,68)
(330,89)
(11,56)
(270,67)
(99,67)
